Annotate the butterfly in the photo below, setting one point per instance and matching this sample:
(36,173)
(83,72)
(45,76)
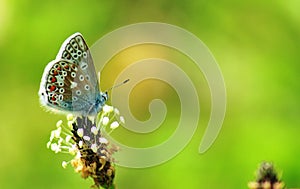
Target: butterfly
(69,83)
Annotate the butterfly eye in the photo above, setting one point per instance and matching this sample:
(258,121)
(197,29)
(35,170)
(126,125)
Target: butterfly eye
(61,84)
(87,77)
(105,96)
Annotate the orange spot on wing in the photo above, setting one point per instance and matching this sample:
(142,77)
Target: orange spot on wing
(52,88)
(53,98)
(55,73)
(53,80)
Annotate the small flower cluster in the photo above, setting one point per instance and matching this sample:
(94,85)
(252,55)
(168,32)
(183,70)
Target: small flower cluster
(83,138)
(266,178)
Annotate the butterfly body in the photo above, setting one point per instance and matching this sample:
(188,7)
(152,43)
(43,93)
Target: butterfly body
(69,83)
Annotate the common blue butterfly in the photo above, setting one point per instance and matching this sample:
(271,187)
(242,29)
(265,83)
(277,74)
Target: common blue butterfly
(69,83)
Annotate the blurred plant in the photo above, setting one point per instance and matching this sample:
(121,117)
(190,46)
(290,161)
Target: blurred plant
(266,178)
(84,139)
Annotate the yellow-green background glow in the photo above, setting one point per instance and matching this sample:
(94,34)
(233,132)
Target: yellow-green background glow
(256,44)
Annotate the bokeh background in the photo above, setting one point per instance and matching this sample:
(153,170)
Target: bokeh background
(256,44)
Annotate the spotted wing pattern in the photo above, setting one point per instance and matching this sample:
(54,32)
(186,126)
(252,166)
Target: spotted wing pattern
(69,83)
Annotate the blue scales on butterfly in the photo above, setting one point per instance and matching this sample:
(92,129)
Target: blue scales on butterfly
(69,83)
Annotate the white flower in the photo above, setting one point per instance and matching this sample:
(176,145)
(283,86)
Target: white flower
(55,147)
(103,140)
(114,125)
(57,132)
(48,144)
(64,164)
(122,119)
(52,136)
(60,140)
(94,147)
(87,138)
(94,130)
(105,120)
(80,132)
(73,149)
(80,144)
(117,111)
(70,124)
(107,109)
(70,117)
(68,138)
(59,123)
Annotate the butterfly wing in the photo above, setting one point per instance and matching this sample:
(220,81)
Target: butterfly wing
(75,50)
(69,83)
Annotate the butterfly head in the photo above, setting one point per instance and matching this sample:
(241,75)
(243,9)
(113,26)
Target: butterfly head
(104,96)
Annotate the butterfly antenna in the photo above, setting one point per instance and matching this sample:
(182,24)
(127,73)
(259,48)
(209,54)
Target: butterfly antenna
(118,85)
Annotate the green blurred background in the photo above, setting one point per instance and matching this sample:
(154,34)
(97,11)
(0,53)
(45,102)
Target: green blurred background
(255,43)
